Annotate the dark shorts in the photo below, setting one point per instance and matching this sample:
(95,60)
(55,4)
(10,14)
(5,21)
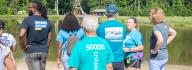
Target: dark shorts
(132,63)
(118,65)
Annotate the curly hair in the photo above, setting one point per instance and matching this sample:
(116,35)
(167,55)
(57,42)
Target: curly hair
(70,23)
(156,15)
(41,8)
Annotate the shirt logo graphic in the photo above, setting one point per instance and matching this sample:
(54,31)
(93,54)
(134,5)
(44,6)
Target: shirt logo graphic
(39,25)
(95,47)
(4,41)
(114,34)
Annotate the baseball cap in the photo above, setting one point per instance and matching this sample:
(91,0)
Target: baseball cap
(112,9)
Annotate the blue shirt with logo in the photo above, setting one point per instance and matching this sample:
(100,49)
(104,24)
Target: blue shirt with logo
(91,53)
(133,39)
(114,32)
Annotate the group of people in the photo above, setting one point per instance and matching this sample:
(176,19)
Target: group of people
(109,45)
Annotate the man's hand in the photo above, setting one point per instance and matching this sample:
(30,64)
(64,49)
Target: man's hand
(25,48)
(109,67)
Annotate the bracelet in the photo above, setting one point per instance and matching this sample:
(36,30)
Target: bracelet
(130,50)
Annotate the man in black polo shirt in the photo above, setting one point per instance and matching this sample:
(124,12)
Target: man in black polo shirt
(37,29)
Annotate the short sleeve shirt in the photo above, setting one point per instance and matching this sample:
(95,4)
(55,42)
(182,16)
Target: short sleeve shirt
(133,39)
(63,36)
(162,53)
(7,40)
(38,29)
(4,51)
(91,53)
(114,32)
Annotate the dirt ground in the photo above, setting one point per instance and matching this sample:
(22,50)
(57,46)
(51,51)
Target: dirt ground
(51,65)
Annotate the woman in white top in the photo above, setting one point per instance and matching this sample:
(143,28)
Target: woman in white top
(7,42)
(6,38)
(6,58)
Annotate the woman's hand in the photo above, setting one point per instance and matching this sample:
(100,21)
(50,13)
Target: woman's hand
(126,49)
(59,63)
(153,52)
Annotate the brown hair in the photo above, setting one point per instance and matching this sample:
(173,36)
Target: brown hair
(156,15)
(70,23)
(135,21)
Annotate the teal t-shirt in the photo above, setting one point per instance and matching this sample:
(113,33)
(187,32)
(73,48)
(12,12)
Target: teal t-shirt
(114,32)
(91,53)
(133,39)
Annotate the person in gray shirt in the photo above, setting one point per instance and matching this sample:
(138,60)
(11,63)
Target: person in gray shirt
(161,36)
(37,29)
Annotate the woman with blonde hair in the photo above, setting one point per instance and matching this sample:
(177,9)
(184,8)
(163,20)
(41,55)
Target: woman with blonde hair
(161,36)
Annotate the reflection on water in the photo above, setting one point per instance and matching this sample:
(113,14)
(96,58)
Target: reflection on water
(179,49)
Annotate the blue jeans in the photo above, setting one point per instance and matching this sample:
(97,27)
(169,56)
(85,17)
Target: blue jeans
(36,61)
(157,64)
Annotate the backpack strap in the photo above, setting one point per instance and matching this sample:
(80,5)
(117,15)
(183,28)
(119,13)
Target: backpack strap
(73,33)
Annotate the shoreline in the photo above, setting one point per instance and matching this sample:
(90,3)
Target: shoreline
(52,65)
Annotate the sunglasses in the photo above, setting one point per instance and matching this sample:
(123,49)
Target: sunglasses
(30,7)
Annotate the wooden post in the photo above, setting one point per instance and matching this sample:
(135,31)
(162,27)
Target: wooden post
(56,7)
(77,9)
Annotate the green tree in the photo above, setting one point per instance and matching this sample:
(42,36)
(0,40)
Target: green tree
(178,7)
(188,5)
(89,5)
(3,6)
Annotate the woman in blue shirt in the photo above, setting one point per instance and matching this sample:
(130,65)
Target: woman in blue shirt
(133,45)
(70,27)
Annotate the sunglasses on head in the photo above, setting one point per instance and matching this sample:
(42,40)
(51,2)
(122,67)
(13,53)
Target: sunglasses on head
(31,7)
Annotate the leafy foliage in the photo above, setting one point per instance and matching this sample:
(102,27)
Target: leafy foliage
(126,7)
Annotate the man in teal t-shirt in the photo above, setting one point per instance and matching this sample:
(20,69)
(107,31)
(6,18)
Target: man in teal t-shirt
(92,52)
(114,32)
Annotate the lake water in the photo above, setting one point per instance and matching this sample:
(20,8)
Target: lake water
(180,50)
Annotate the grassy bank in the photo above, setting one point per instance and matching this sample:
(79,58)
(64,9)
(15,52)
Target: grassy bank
(143,20)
